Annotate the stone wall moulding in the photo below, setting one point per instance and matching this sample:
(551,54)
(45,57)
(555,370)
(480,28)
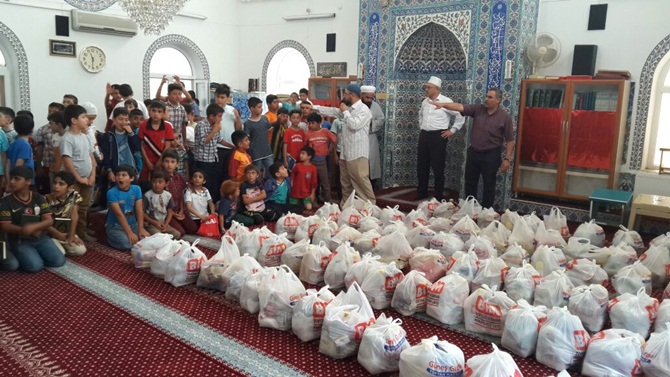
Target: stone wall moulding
(91,5)
(286,44)
(17,56)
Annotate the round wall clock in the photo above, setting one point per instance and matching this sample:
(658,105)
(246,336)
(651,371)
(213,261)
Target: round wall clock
(92,59)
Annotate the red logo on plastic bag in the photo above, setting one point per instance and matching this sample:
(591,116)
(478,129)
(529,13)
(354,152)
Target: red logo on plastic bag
(311,229)
(397,217)
(581,340)
(261,239)
(503,273)
(667,271)
(612,303)
(652,310)
(565,232)
(325,260)
(360,329)
(431,206)
(375,241)
(488,309)
(436,288)
(319,310)
(277,249)
(354,219)
(421,292)
(291,222)
(392,281)
(193,265)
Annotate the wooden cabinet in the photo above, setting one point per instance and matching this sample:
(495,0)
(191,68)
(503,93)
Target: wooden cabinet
(570,137)
(328,91)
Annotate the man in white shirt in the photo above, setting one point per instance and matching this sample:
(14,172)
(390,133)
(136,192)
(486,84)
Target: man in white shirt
(367,96)
(353,161)
(436,128)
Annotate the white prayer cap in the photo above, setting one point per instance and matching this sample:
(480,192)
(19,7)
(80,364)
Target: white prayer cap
(368,89)
(435,81)
(90,108)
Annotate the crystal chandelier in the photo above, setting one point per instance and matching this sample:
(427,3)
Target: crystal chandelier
(152,15)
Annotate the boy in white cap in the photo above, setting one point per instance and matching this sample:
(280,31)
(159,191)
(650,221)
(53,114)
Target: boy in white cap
(436,128)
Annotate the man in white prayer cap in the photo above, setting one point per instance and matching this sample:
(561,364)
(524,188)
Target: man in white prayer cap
(376,126)
(436,125)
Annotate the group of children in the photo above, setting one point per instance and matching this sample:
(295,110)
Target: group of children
(143,167)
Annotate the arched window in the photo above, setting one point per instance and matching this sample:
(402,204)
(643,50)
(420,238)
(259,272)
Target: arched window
(288,71)
(2,59)
(4,80)
(659,114)
(169,61)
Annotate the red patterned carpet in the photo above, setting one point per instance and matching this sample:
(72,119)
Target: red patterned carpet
(100,316)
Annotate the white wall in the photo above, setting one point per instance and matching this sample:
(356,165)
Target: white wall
(261,27)
(51,77)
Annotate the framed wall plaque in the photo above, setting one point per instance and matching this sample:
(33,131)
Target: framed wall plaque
(331,69)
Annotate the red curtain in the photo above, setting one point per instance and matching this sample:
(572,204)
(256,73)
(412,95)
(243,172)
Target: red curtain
(540,140)
(591,139)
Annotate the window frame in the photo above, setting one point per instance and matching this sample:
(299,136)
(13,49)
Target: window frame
(270,84)
(654,112)
(191,79)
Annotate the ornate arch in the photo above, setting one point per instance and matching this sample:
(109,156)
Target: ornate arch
(91,5)
(181,43)
(19,61)
(286,44)
(643,100)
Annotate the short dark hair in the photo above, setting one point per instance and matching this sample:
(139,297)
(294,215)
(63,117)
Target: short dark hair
(188,109)
(497,91)
(192,94)
(269,98)
(24,125)
(253,102)
(228,188)
(56,105)
(172,87)
(308,150)
(214,109)
(125,90)
(22,171)
(135,112)
(72,111)
(282,110)
(295,111)
(72,97)
(66,176)
(157,105)
(251,167)
(115,86)
(223,89)
(126,168)
(304,90)
(274,168)
(160,174)
(25,112)
(171,153)
(56,117)
(314,117)
(305,103)
(119,111)
(238,137)
(201,171)
(147,102)
(7,111)
(131,101)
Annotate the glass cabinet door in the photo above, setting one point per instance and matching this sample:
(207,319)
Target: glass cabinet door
(540,138)
(319,92)
(591,132)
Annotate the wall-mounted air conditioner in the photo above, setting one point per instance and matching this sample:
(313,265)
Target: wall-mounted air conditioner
(104,24)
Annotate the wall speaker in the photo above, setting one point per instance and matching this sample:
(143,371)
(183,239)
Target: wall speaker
(63,26)
(598,17)
(584,60)
(330,42)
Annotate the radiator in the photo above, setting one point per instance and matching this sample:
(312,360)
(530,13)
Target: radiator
(652,183)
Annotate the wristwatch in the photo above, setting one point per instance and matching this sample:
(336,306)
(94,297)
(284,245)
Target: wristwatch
(508,160)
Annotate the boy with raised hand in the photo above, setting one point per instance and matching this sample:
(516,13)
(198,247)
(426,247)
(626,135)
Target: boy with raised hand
(125,218)
(258,126)
(25,216)
(64,203)
(175,109)
(77,154)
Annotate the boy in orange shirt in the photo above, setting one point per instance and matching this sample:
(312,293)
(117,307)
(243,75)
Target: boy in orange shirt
(323,142)
(240,158)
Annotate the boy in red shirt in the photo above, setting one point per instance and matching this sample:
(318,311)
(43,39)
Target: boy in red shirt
(323,142)
(157,135)
(294,140)
(304,181)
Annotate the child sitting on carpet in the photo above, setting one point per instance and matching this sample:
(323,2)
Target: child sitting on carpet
(197,198)
(125,218)
(158,206)
(64,202)
(230,198)
(277,190)
(253,197)
(176,185)
(25,216)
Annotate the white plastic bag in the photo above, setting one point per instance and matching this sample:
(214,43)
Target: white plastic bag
(411,293)
(655,361)
(523,235)
(547,259)
(483,246)
(446,298)
(589,303)
(419,236)
(324,235)
(163,256)
(586,272)
(556,220)
(292,256)
(515,255)
(367,241)
(657,260)
(522,326)
(428,206)
(494,364)
(329,211)
(380,284)
(466,264)
(554,290)
(485,311)
(211,272)
(469,207)
(662,316)
(236,274)
(440,224)
(630,237)
(393,227)
(343,258)
(350,216)
(430,358)
(415,217)
(358,271)
(370,209)
(635,313)
(562,341)
(184,268)
(314,263)
(445,209)
(391,214)
(309,312)
(289,224)
(253,242)
(144,250)
(521,282)
(382,344)
(577,247)
(308,226)
(498,234)
(393,248)
(273,249)
(430,262)
(486,217)
(621,255)
(631,278)
(277,294)
(447,244)
(662,240)
(613,352)
(508,218)
(464,228)
(549,237)
(346,234)
(249,300)
(491,273)
(238,232)
(591,231)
